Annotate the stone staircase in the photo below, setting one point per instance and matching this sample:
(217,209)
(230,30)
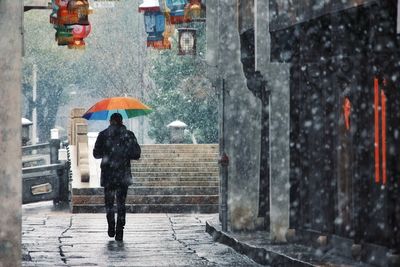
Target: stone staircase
(176,178)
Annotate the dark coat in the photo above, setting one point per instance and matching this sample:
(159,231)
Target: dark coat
(116,146)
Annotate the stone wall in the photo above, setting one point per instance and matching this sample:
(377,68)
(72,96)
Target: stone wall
(10,140)
(240,118)
(242,112)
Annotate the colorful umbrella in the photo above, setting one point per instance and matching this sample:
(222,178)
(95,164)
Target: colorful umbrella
(128,107)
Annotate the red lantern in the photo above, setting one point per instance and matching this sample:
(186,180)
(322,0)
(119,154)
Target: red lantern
(70,19)
(79,32)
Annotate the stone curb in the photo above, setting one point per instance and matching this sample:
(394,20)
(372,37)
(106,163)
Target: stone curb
(257,254)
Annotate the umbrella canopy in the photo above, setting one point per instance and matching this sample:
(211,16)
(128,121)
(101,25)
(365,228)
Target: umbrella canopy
(128,107)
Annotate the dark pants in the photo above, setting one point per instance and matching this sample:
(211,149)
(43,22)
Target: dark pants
(110,193)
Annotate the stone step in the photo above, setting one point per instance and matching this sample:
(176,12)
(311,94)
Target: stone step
(151,208)
(180,183)
(173,152)
(167,178)
(175,174)
(149,199)
(179,146)
(179,178)
(194,152)
(176,150)
(176,180)
(173,160)
(183,151)
(176,164)
(180,155)
(144,190)
(138,169)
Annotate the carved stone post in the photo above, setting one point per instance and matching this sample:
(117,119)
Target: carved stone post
(78,137)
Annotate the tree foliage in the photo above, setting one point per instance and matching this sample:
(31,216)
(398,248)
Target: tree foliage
(183,93)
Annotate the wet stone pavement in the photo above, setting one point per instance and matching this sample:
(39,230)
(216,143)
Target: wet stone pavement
(59,238)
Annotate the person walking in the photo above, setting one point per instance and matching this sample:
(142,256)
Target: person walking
(116,146)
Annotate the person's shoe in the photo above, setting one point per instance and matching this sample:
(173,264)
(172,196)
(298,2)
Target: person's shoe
(111,224)
(111,231)
(119,235)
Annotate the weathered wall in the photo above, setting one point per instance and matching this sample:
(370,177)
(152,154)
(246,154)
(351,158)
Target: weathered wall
(212,36)
(278,77)
(10,140)
(242,115)
(246,15)
(242,119)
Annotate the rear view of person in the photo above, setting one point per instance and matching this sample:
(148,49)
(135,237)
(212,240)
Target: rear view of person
(116,146)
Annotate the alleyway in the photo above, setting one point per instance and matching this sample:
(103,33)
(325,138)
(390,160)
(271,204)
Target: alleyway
(59,238)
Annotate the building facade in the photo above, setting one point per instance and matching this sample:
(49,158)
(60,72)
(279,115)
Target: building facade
(331,70)
(344,100)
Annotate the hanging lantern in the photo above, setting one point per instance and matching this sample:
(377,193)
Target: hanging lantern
(79,32)
(176,9)
(149,5)
(71,21)
(193,10)
(72,12)
(187,41)
(53,15)
(60,12)
(154,21)
(63,35)
(58,17)
(78,12)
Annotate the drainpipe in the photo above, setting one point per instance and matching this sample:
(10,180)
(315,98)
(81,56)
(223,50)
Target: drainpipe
(224,162)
